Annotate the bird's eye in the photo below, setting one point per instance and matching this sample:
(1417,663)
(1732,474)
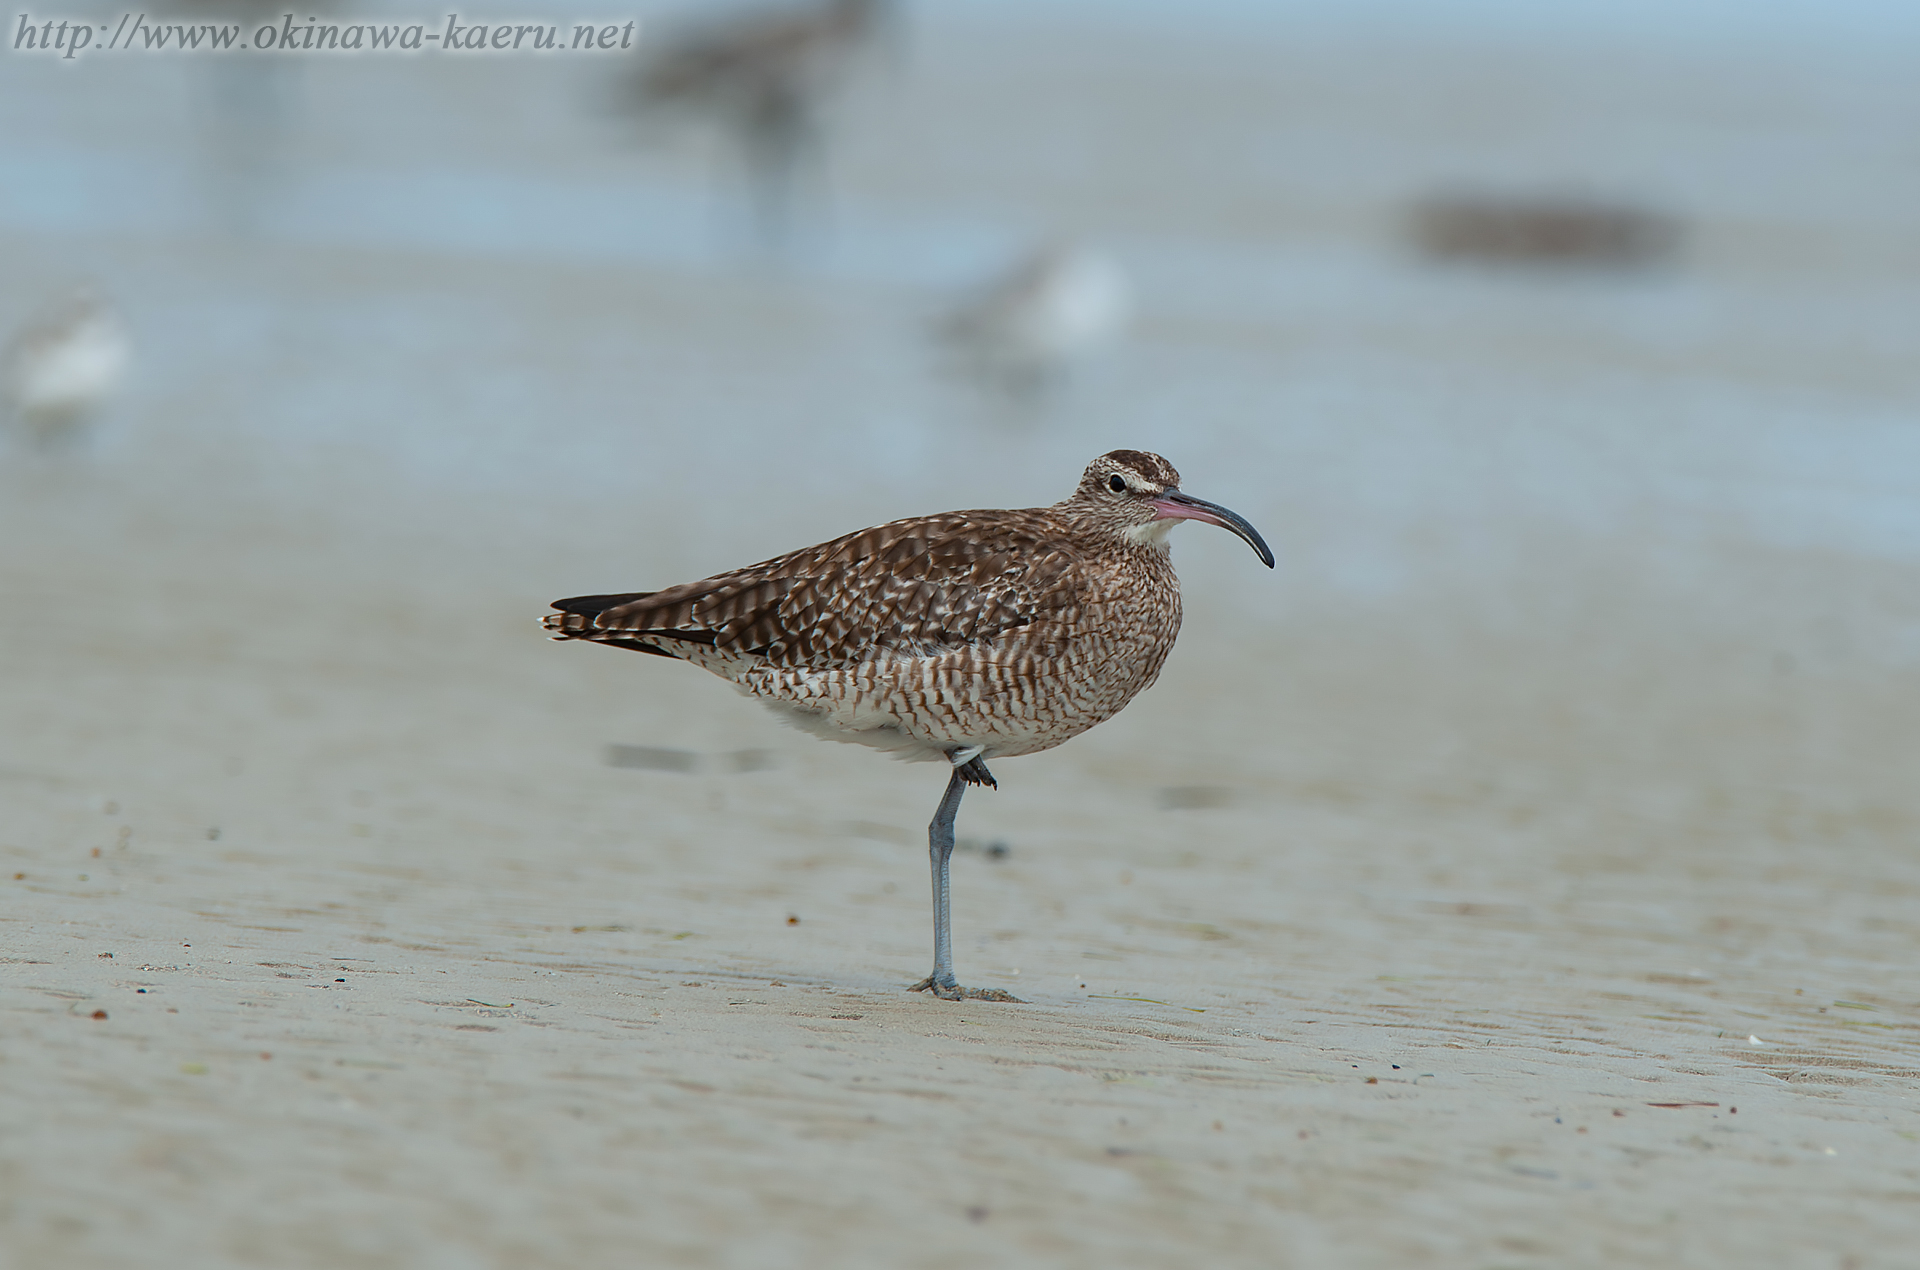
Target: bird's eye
(1117,483)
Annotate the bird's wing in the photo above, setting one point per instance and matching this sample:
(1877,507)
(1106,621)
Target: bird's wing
(912,586)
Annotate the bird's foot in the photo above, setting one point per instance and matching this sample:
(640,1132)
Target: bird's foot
(954,992)
(971,769)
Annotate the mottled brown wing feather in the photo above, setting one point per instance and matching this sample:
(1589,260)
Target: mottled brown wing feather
(912,585)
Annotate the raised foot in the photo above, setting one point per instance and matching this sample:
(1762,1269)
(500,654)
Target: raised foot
(974,772)
(954,992)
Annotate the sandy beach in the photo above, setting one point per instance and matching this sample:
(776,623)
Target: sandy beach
(1524,874)
(332,938)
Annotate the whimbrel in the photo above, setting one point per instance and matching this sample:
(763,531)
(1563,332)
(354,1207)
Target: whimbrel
(764,76)
(63,365)
(1026,327)
(964,636)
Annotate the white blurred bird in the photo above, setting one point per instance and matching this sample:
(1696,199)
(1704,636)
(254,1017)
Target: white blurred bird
(765,76)
(63,365)
(1025,328)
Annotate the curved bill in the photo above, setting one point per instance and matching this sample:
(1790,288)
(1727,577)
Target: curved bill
(1173,505)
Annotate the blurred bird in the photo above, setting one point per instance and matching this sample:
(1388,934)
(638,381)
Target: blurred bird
(1024,329)
(63,365)
(764,76)
(249,106)
(1544,230)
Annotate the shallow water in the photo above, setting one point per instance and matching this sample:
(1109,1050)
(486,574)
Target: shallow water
(531,292)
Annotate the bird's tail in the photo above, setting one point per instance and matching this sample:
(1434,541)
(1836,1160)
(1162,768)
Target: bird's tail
(574,620)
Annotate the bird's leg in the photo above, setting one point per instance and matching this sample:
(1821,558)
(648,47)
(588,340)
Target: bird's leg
(970,771)
(940,851)
(779,135)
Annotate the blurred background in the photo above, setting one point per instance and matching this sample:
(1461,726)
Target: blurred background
(1565,353)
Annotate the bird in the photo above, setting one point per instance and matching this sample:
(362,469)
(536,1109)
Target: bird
(63,365)
(958,637)
(249,105)
(1025,327)
(764,75)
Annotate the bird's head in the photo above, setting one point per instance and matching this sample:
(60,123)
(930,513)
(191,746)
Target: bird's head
(1137,495)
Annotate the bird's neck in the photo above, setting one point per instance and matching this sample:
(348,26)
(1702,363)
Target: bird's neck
(1127,534)
(1152,534)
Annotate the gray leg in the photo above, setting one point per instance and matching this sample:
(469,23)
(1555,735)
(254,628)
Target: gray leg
(940,852)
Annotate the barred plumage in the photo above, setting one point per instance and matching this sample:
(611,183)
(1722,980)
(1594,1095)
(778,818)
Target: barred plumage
(964,636)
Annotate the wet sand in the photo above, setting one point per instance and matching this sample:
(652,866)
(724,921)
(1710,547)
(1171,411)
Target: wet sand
(333,938)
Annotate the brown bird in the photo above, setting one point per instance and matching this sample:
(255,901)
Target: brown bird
(963,636)
(765,76)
